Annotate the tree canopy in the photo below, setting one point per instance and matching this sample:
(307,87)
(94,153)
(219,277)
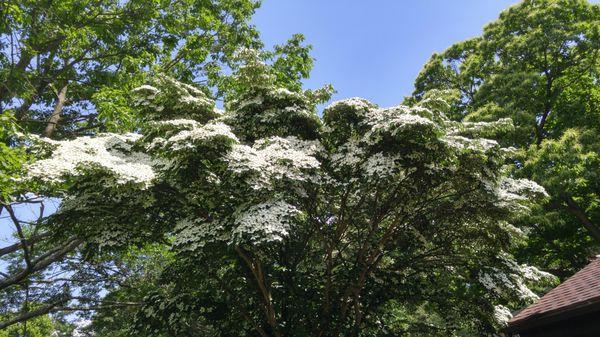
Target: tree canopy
(280,222)
(68,66)
(538,65)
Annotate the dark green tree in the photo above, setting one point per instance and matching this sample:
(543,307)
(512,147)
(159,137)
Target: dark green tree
(67,66)
(538,65)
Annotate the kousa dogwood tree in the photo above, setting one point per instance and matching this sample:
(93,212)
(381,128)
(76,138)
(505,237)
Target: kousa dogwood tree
(279,221)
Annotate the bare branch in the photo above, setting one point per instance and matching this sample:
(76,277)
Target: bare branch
(41,263)
(28,241)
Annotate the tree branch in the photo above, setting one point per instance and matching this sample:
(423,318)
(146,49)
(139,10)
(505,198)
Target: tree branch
(573,208)
(41,263)
(29,241)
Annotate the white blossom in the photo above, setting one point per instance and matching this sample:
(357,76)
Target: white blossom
(201,102)
(179,123)
(253,101)
(520,188)
(188,138)
(350,154)
(353,102)
(191,235)
(474,144)
(110,152)
(499,282)
(534,274)
(502,314)
(394,121)
(481,129)
(265,222)
(146,89)
(513,281)
(513,192)
(380,165)
(276,158)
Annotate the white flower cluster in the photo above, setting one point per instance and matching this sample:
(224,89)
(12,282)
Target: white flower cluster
(502,314)
(189,96)
(261,223)
(243,104)
(355,103)
(394,120)
(110,152)
(192,235)
(473,144)
(515,232)
(188,139)
(468,135)
(146,90)
(283,93)
(276,158)
(176,123)
(349,155)
(181,100)
(532,273)
(266,222)
(515,281)
(145,95)
(520,188)
(512,192)
(484,129)
(380,165)
(500,283)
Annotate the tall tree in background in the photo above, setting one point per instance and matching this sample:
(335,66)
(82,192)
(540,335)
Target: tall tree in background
(65,66)
(538,65)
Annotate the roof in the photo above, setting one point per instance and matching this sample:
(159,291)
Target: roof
(578,292)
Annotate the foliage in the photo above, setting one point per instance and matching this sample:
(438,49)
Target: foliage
(283,222)
(38,327)
(69,66)
(269,218)
(11,158)
(67,69)
(538,65)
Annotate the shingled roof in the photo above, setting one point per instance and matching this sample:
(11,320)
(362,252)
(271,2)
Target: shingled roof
(576,295)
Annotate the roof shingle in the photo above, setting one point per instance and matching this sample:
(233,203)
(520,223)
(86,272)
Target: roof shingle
(579,290)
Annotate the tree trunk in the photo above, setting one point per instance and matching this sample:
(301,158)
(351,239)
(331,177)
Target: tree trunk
(55,117)
(574,209)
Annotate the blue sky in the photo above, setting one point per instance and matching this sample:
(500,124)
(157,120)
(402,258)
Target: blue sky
(374,49)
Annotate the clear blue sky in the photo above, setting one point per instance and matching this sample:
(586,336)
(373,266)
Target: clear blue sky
(374,49)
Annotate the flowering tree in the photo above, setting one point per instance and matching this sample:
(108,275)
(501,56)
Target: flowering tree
(281,222)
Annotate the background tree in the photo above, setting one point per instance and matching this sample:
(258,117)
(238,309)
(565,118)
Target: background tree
(538,64)
(66,65)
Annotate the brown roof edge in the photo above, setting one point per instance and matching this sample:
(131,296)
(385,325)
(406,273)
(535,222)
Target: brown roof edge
(540,319)
(578,295)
